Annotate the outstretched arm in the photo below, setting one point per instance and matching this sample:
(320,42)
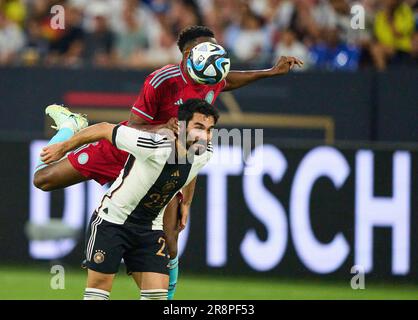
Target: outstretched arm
(55,152)
(238,79)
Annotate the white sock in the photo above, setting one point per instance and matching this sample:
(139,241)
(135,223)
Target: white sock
(154,294)
(96,294)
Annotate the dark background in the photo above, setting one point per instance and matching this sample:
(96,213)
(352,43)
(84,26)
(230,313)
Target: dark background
(365,106)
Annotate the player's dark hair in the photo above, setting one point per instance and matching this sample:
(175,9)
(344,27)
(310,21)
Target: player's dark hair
(192,33)
(192,106)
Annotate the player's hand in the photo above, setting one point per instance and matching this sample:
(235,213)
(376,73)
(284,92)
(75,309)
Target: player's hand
(173,125)
(170,129)
(184,215)
(285,64)
(52,153)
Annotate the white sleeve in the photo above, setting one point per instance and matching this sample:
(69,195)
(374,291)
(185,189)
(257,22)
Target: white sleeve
(140,144)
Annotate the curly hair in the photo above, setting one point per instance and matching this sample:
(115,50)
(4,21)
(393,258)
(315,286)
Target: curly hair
(192,33)
(192,106)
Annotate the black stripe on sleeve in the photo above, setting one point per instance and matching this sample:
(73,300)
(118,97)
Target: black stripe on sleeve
(115,129)
(150,146)
(151,141)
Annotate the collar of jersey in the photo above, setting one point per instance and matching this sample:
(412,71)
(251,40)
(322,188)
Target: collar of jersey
(186,76)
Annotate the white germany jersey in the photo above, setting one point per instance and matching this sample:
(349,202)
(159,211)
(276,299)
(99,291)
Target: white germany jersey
(150,179)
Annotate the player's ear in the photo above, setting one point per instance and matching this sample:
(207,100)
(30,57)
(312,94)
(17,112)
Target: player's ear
(182,126)
(182,133)
(186,54)
(186,51)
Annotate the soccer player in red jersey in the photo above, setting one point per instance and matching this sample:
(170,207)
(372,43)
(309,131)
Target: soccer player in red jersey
(155,109)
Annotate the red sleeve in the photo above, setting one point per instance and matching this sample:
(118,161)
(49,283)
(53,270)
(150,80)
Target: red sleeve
(146,106)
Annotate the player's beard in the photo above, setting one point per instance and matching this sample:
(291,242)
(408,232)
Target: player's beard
(189,149)
(197,147)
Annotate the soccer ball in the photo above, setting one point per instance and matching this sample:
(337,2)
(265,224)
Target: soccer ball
(208,63)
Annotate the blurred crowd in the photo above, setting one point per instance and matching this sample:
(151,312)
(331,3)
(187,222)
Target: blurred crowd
(326,34)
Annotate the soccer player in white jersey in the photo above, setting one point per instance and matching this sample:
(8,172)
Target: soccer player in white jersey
(155,108)
(128,223)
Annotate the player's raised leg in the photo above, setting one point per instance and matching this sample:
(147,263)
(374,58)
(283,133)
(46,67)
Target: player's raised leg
(61,174)
(57,175)
(153,286)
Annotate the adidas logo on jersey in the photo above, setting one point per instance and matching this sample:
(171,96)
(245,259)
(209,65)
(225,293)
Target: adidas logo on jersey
(175,174)
(179,102)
